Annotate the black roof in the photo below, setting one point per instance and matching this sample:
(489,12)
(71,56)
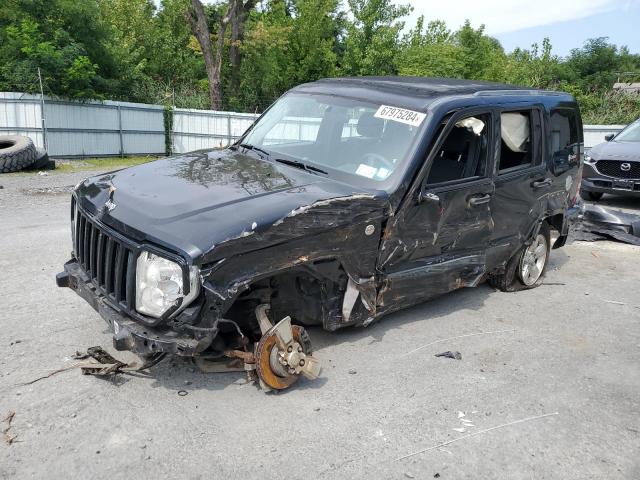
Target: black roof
(410,92)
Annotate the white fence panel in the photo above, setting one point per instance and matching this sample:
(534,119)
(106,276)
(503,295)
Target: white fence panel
(199,129)
(87,129)
(594,134)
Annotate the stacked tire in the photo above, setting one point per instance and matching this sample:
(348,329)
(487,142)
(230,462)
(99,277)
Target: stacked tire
(18,152)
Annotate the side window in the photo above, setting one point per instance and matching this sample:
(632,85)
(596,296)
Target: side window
(520,134)
(463,154)
(564,136)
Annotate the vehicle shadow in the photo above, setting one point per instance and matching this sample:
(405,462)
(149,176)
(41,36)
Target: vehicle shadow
(181,374)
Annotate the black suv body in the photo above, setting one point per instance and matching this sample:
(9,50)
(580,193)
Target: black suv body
(614,166)
(348,199)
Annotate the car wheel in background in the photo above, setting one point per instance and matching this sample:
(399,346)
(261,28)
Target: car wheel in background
(594,196)
(16,152)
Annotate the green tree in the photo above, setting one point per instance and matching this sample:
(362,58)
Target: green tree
(372,43)
(311,41)
(536,67)
(66,39)
(482,56)
(431,53)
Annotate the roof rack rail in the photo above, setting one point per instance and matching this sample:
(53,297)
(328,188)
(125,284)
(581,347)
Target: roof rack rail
(490,93)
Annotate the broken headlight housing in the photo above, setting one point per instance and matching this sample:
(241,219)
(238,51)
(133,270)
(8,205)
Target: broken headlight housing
(160,285)
(588,160)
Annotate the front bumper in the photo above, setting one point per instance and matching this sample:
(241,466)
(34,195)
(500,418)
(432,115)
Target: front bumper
(594,181)
(127,334)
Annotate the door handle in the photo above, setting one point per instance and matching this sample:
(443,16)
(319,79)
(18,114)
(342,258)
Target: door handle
(542,183)
(474,201)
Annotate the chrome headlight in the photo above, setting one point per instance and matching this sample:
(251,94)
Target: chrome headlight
(159,285)
(588,160)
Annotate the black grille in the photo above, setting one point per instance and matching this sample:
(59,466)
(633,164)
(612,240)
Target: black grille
(108,261)
(612,168)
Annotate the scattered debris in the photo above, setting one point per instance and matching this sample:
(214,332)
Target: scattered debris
(601,223)
(409,475)
(460,429)
(183,393)
(614,302)
(450,354)
(62,190)
(486,430)
(455,338)
(8,438)
(50,374)
(352,371)
(460,414)
(106,365)
(43,174)
(595,254)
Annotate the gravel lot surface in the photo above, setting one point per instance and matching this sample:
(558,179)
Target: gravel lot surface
(570,347)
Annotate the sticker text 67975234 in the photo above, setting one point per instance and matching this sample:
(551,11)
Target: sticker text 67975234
(401,115)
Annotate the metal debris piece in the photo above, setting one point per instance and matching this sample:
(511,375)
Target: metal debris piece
(600,223)
(8,438)
(479,432)
(614,302)
(455,338)
(450,354)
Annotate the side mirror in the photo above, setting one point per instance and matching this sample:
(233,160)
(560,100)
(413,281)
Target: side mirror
(609,136)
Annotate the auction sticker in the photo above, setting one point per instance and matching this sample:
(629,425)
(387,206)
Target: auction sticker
(401,115)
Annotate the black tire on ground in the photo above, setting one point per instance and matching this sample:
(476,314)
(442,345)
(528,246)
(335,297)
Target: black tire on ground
(509,280)
(16,152)
(595,196)
(42,161)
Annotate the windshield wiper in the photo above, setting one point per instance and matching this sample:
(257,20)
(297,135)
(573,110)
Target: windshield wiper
(300,165)
(257,149)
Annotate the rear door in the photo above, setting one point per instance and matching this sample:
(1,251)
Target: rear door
(521,181)
(438,239)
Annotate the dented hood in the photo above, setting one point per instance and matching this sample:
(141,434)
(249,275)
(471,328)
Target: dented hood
(206,205)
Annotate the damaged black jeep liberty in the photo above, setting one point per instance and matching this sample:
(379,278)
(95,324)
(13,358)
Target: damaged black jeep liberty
(346,200)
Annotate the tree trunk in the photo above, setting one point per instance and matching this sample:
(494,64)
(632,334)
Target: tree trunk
(239,10)
(200,30)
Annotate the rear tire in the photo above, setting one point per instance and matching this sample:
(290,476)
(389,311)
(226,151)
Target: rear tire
(594,196)
(16,153)
(514,277)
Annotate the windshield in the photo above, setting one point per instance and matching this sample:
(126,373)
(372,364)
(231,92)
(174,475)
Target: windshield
(630,134)
(350,140)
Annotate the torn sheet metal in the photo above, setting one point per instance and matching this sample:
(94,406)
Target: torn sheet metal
(602,223)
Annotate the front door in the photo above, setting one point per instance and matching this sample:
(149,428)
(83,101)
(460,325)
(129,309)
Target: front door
(438,240)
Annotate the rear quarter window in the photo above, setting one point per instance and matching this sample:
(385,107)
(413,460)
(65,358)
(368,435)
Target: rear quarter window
(565,136)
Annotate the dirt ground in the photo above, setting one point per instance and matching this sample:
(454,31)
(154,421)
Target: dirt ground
(549,379)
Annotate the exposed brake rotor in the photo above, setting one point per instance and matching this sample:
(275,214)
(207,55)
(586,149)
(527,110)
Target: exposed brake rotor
(283,354)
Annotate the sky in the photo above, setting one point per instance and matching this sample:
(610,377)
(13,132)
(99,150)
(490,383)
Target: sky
(519,23)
